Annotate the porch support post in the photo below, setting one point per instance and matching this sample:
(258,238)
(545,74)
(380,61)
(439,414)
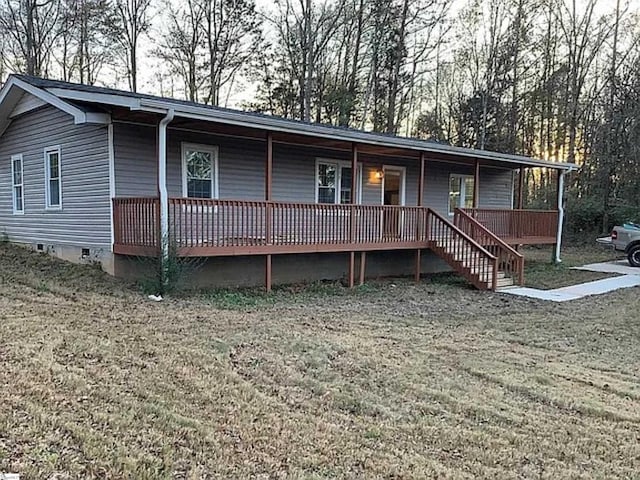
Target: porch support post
(268,177)
(476,185)
(352,268)
(420,203)
(352,230)
(354,168)
(363,262)
(560,201)
(163,194)
(421,180)
(268,196)
(521,189)
(267,274)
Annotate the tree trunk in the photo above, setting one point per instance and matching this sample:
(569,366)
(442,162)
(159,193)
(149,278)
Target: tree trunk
(394,86)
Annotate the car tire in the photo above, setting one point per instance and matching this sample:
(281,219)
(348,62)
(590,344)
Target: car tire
(634,256)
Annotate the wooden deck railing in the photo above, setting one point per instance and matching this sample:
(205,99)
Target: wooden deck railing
(237,227)
(509,260)
(203,227)
(478,241)
(518,226)
(136,225)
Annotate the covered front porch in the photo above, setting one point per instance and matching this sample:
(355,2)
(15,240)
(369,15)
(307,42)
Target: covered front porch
(225,190)
(208,227)
(201,228)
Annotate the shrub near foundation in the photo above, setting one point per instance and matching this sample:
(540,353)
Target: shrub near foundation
(172,276)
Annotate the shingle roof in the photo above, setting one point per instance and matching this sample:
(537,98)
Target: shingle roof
(260,120)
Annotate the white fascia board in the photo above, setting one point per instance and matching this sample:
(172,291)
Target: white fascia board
(78,115)
(99,118)
(314,130)
(94,97)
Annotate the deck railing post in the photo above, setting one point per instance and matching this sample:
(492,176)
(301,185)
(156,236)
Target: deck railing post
(116,223)
(268,227)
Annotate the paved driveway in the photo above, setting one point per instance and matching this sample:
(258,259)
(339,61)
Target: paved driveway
(621,267)
(628,277)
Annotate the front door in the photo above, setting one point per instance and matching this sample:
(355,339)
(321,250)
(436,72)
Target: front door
(392,195)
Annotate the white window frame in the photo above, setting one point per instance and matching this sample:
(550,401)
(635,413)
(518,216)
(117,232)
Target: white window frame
(16,185)
(403,182)
(213,150)
(339,164)
(47,179)
(463,193)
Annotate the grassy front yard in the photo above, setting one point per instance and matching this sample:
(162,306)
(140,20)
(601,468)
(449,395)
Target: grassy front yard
(388,381)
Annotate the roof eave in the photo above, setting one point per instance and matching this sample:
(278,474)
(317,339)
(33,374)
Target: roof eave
(161,106)
(317,130)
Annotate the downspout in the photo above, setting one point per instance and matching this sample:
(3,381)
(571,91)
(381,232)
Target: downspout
(162,190)
(557,258)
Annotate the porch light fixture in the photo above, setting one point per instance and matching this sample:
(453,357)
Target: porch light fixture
(380,174)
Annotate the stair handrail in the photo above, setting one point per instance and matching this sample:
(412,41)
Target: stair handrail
(470,241)
(506,254)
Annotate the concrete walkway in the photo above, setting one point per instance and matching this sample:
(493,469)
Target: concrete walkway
(629,277)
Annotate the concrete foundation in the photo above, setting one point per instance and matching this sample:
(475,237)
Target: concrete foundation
(89,255)
(249,271)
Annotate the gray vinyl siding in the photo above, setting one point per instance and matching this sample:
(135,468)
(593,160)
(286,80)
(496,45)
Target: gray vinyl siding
(241,164)
(436,188)
(85,218)
(496,188)
(135,161)
(496,185)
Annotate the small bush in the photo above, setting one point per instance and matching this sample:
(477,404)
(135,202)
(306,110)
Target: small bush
(169,277)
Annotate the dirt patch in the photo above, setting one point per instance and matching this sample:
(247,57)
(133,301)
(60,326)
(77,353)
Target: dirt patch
(394,380)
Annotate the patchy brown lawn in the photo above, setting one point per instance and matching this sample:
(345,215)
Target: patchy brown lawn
(408,381)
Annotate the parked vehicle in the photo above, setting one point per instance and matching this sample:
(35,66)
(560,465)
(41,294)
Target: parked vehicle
(625,238)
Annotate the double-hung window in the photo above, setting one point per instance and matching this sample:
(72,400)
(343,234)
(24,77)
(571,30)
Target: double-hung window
(333,182)
(199,171)
(461,188)
(17,179)
(53,178)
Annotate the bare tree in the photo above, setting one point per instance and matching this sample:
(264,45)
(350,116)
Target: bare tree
(584,34)
(232,37)
(30,28)
(134,21)
(182,45)
(304,32)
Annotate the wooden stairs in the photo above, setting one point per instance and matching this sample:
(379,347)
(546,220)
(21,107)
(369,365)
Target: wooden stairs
(474,252)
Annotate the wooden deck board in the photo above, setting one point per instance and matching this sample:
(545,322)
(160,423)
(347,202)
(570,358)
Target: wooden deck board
(289,248)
